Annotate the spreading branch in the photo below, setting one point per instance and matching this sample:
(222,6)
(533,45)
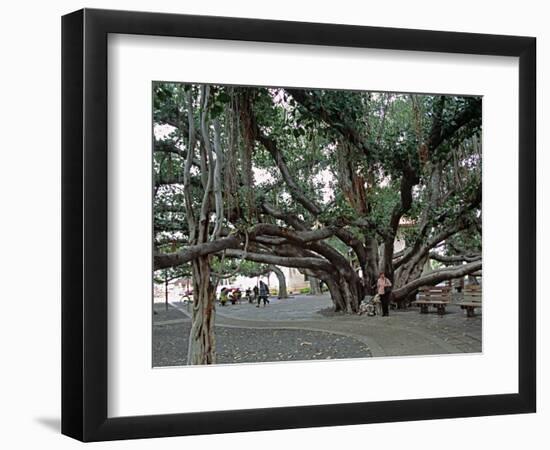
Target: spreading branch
(285,261)
(454,258)
(437,276)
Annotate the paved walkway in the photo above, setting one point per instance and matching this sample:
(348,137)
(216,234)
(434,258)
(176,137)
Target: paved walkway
(246,344)
(404,332)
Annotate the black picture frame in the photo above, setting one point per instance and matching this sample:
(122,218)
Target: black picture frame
(84,224)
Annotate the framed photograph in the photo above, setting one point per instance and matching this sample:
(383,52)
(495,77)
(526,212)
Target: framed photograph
(273,225)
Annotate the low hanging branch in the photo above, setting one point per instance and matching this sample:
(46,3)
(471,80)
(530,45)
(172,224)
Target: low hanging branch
(437,276)
(286,261)
(454,258)
(256,233)
(191,252)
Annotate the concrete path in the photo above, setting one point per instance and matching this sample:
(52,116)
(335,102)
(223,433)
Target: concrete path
(404,332)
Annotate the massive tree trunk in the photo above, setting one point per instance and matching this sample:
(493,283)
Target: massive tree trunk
(282,281)
(346,294)
(405,275)
(335,294)
(202,341)
(345,280)
(371,269)
(314,286)
(409,272)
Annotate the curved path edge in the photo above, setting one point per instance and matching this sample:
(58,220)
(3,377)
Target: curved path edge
(376,348)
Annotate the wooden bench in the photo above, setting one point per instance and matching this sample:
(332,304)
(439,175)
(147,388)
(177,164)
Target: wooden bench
(471,300)
(437,296)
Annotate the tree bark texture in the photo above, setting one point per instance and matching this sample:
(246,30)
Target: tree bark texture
(282,281)
(314,286)
(202,340)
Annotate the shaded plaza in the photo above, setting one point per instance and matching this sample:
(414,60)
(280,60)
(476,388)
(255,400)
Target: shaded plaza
(304,327)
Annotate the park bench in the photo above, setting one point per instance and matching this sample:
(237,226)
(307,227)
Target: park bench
(437,296)
(471,300)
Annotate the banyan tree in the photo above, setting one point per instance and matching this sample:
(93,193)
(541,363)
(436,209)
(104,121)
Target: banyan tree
(340,185)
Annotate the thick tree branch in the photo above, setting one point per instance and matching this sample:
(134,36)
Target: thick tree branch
(299,237)
(279,159)
(342,234)
(408,180)
(164,260)
(423,244)
(169,147)
(454,258)
(271,146)
(291,219)
(175,180)
(286,261)
(437,276)
(257,233)
(421,248)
